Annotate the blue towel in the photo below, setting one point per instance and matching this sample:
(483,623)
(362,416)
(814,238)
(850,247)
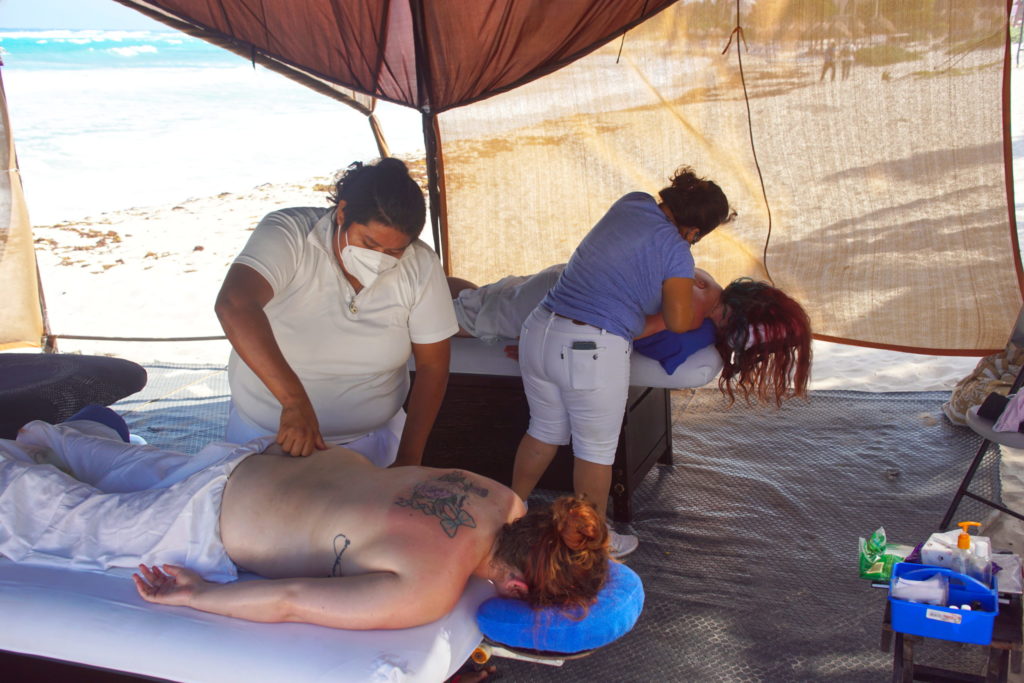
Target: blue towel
(671,349)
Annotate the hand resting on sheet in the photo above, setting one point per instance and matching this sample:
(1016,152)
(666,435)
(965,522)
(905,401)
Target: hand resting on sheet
(169,585)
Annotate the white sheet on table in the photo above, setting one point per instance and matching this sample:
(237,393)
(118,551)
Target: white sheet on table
(97,619)
(475,357)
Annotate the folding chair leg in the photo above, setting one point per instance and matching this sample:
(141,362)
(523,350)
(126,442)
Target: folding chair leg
(964,484)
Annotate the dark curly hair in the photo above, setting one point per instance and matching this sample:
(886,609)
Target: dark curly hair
(383,192)
(696,202)
(765,343)
(562,550)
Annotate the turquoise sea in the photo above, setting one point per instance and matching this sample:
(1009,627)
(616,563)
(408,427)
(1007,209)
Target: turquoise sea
(107,120)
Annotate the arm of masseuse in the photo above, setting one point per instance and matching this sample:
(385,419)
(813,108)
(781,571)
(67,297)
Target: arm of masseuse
(677,304)
(705,298)
(240,310)
(432,362)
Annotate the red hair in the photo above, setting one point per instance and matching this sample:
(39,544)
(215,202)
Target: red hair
(562,551)
(765,343)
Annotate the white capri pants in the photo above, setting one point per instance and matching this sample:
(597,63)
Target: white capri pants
(122,504)
(576,379)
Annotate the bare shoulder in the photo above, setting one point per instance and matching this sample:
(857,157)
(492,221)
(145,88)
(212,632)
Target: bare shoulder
(457,500)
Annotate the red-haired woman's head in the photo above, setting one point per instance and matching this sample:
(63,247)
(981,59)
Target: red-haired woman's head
(562,551)
(765,343)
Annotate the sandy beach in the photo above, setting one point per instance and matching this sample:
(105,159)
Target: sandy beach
(153,271)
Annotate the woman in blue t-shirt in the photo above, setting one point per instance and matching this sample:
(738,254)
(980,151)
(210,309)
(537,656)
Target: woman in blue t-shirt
(634,264)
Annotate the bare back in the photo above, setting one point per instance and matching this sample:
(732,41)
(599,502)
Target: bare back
(333,513)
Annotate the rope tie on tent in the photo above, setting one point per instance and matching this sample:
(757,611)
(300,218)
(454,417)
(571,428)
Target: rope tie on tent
(741,42)
(622,44)
(738,31)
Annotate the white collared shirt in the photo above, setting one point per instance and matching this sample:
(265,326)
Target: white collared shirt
(350,350)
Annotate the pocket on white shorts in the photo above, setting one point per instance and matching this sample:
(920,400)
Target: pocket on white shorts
(585,368)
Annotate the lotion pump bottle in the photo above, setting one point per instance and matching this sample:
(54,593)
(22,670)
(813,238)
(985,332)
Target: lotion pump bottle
(966,560)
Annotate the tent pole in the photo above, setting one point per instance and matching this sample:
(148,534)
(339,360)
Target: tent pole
(1011,200)
(378,137)
(425,86)
(433,179)
(49,340)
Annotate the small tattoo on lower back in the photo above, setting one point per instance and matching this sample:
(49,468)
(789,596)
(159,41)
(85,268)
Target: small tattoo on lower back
(338,552)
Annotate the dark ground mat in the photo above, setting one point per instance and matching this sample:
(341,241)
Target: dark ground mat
(748,542)
(182,407)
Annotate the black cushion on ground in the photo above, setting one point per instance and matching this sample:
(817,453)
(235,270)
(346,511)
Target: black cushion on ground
(53,387)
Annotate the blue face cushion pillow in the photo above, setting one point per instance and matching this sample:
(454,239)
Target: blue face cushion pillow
(515,624)
(104,416)
(671,349)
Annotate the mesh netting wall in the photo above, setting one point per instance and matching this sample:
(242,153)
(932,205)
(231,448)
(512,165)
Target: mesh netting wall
(878,128)
(21,320)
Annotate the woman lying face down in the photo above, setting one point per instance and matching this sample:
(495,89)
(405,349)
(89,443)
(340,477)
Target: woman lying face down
(762,334)
(496,311)
(338,541)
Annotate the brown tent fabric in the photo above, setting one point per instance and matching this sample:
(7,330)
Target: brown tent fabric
(870,173)
(431,55)
(21,319)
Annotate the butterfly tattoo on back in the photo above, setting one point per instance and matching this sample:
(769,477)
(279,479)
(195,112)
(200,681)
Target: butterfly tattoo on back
(444,498)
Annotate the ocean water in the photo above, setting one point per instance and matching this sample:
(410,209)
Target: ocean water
(107,120)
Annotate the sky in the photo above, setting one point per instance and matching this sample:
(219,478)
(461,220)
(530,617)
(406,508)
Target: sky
(75,14)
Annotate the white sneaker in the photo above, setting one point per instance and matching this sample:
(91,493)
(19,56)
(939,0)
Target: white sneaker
(621,544)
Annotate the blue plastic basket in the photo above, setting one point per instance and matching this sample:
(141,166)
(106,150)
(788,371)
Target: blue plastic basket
(931,621)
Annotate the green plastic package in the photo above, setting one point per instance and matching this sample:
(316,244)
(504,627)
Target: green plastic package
(877,556)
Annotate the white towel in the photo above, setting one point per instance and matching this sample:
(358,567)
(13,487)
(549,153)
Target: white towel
(165,510)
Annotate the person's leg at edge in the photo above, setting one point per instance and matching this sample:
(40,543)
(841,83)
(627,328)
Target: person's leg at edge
(52,518)
(592,481)
(94,453)
(596,408)
(532,459)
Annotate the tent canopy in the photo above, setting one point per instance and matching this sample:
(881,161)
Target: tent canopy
(864,143)
(431,56)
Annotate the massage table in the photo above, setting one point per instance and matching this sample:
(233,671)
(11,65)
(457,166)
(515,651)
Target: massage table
(97,620)
(484,415)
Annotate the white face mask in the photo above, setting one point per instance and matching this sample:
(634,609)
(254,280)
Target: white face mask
(365,264)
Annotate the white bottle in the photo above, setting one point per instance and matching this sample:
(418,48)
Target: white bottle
(970,558)
(941,548)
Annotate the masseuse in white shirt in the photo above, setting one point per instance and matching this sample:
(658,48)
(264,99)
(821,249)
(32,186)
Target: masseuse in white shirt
(323,308)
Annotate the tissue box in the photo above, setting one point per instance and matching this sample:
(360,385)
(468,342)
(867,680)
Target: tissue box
(946,623)
(939,549)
